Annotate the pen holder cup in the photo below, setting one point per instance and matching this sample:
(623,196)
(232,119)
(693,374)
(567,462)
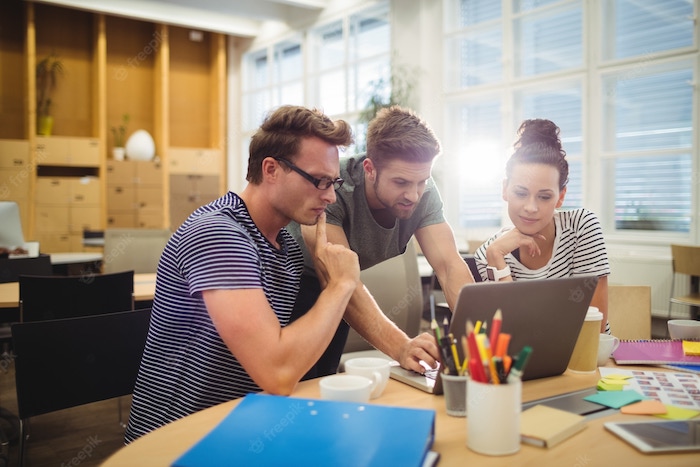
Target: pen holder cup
(454,388)
(493,423)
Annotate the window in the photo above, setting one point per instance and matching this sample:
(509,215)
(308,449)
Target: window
(346,59)
(272,77)
(648,142)
(350,60)
(626,110)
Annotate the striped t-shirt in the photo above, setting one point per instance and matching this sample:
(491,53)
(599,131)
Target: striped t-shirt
(579,250)
(186,366)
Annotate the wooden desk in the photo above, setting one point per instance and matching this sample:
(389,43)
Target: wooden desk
(144,289)
(593,446)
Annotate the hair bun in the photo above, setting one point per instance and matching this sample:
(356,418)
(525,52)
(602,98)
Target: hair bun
(538,131)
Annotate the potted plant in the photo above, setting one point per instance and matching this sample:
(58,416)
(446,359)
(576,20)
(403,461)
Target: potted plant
(47,72)
(119,134)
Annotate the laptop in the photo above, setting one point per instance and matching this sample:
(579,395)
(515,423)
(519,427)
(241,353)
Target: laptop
(544,314)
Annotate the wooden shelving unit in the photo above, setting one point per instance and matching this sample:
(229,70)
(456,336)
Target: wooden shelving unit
(170,82)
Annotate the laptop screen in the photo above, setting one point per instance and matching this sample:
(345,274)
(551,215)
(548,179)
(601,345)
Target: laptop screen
(544,314)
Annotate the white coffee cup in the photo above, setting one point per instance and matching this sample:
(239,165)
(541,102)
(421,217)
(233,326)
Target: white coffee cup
(375,368)
(606,346)
(343,387)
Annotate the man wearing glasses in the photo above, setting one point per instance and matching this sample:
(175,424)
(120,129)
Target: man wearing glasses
(229,276)
(387,197)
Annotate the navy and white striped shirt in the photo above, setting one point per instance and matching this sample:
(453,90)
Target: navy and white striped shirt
(579,250)
(186,366)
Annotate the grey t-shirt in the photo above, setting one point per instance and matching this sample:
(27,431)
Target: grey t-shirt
(372,242)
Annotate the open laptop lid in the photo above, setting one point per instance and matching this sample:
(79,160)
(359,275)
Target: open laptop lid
(544,314)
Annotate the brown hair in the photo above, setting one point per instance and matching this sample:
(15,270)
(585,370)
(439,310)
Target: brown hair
(282,131)
(538,143)
(398,133)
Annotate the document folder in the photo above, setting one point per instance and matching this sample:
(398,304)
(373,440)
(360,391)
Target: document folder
(276,430)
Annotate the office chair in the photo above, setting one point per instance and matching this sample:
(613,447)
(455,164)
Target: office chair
(57,297)
(99,359)
(396,286)
(133,249)
(685,260)
(12,268)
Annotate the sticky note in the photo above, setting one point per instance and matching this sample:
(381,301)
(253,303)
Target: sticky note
(691,347)
(609,386)
(648,407)
(618,376)
(678,413)
(615,399)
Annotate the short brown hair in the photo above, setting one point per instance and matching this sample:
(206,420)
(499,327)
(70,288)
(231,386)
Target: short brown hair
(398,133)
(281,133)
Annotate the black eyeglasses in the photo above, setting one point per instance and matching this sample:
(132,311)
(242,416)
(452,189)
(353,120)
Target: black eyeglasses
(320,183)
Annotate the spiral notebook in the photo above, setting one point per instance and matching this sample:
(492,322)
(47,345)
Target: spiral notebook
(653,352)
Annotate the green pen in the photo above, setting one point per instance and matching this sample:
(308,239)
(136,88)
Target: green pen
(515,374)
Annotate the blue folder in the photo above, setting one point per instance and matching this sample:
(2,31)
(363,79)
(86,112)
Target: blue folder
(276,430)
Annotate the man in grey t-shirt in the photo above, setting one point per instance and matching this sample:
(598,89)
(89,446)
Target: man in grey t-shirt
(387,198)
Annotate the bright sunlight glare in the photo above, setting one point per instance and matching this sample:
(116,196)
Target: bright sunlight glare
(482,165)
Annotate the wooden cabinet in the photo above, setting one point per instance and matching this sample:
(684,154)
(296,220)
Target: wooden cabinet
(134,194)
(65,207)
(169,85)
(15,174)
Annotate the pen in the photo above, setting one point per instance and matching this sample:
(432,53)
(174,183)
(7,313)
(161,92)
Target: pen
(500,369)
(516,372)
(450,363)
(502,344)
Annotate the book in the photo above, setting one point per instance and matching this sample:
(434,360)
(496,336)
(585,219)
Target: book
(276,430)
(653,352)
(546,426)
(689,367)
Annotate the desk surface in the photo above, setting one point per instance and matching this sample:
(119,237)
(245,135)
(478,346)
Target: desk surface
(74,258)
(144,289)
(592,446)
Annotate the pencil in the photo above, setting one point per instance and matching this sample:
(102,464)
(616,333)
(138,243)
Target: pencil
(495,328)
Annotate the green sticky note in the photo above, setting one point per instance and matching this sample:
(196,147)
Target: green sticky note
(615,399)
(678,413)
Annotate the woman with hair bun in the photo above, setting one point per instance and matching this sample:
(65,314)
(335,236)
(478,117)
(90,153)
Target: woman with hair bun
(543,242)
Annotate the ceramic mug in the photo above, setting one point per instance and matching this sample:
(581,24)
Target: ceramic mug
(606,346)
(375,368)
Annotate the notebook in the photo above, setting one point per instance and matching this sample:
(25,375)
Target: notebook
(275,430)
(544,314)
(653,352)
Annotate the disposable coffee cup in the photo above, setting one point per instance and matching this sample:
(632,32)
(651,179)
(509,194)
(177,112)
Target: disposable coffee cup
(584,359)
(454,387)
